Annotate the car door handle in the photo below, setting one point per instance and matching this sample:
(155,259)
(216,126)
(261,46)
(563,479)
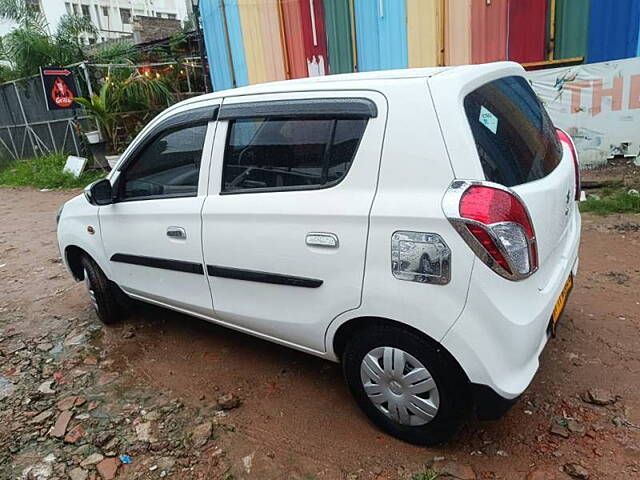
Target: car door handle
(177,233)
(322,239)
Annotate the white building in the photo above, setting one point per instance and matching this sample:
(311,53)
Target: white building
(112,18)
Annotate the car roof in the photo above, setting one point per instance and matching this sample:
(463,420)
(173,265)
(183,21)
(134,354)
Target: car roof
(363,80)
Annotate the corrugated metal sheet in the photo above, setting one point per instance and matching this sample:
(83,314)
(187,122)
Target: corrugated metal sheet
(215,25)
(381,33)
(294,38)
(315,36)
(260,33)
(457,32)
(571,23)
(337,16)
(613,30)
(489,26)
(305,37)
(527,30)
(424,32)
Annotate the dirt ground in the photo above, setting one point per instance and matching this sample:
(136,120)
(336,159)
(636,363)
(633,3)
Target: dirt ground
(156,395)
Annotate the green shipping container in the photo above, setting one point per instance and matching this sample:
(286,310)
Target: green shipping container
(337,17)
(571,29)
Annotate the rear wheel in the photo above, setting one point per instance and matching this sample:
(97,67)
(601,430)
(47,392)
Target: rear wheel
(107,299)
(405,384)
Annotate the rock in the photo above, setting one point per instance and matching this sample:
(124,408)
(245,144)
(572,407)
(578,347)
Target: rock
(102,438)
(144,432)
(60,427)
(45,346)
(247,462)
(41,417)
(75,434)
(108,468)
(128,332)
(90,361)
(66,403)
(201,434)
(576,470)
(559,430)
(459,471)
(74,339)
(598,396)
(228,401)
(92,459)
(166,463)
(78,474)
(45,388)
(574,427)
(541,475)
(107,378)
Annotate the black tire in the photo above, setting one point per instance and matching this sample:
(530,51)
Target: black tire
(109,299)
(449,380)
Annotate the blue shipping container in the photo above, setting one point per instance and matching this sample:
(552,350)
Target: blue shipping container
(381,34)
(613,30)
(215,38)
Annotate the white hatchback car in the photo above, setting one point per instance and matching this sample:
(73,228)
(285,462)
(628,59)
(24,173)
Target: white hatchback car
(419,226)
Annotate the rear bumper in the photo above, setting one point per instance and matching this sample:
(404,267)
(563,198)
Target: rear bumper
(488,404)
(503,328)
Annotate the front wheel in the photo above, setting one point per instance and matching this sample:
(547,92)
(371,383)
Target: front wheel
(103,293)
(405,384)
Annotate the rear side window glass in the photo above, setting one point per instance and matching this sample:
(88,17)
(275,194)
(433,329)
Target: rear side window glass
(515,138)
(289,153)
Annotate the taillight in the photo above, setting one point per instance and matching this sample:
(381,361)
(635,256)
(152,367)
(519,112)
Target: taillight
(566,140)
(495,224)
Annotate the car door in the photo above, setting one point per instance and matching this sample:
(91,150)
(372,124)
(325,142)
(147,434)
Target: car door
(285,224)
(152,232)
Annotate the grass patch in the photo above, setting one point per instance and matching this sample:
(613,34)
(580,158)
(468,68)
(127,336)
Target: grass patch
(44,172)
(428,474)
(611,201)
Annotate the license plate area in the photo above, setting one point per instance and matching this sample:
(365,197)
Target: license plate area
(561,303)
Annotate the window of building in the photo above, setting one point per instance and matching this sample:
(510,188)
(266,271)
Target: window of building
(92,40)
(125,15)
(105,11)
(289,153)
(85,11)
(76,9)
(67,6)
(169,166)
(172,16)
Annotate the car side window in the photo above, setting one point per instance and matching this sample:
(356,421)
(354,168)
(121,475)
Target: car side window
(168,166)
(272,154)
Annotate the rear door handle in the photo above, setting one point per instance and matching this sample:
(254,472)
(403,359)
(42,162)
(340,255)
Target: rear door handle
(322,239)
(177,233)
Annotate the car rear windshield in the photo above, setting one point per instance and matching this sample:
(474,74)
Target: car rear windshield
(515,138)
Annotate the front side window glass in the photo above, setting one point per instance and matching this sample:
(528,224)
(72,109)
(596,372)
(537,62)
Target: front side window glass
(168,166)
(289,153)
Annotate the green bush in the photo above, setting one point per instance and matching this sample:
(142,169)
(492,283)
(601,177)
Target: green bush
(611,202)
(44,172)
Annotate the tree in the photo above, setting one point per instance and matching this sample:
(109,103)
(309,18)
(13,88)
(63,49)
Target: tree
(30,45)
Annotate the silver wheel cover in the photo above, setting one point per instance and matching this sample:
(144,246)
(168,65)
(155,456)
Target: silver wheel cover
(399,386)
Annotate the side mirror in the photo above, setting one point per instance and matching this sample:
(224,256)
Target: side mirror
(99,192)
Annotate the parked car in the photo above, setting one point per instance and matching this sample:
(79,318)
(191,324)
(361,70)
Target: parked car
(418,226)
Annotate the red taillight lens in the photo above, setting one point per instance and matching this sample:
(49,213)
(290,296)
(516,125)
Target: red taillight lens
(500,223)
(566,139)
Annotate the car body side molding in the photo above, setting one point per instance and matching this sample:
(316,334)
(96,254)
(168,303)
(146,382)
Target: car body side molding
(163,263)
(262,277)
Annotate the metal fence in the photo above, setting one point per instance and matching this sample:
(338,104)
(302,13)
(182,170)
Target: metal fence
(28,129)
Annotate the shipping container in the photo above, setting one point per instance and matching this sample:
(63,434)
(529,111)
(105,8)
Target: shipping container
(381,34)
(457,37)
(489,26)
(571,28)
(223,41)
(305,37)
(338,19)
(527,30)
(424,32)
(613,30)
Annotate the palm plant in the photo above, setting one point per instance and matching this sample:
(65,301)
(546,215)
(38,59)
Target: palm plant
(122,94)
